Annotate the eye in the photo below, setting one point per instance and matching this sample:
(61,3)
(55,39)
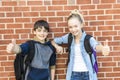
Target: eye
(39,30)
(45,30)
(75,26)
(70,27)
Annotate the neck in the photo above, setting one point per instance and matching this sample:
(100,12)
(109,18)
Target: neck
(37,39)
(77,38)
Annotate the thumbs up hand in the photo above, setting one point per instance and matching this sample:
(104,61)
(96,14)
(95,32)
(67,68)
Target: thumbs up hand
(106,48)
(11,46)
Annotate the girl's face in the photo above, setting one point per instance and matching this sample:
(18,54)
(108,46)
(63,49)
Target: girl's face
(75,26)
(41,33)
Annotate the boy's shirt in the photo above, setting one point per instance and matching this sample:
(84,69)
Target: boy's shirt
(44,58)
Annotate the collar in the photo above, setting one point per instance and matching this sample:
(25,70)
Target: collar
(38,40)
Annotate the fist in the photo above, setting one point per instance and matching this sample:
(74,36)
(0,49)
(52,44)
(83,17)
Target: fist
(106,49)
(11,46)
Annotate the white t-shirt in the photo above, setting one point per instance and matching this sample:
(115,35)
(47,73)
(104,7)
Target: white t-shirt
(79,64)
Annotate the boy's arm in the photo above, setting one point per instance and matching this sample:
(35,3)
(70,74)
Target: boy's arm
(13,47)
(52,71)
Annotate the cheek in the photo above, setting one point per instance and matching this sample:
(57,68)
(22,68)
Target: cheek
(70,29)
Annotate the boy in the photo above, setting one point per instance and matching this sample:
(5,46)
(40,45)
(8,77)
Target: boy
(42,66)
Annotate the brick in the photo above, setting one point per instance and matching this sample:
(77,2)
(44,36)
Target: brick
(30,14)
(2,26)
(59,2)
(11,26)
(41,8)
(116,17)
(96,23)
(23,31)
(96,1)
(21,3)
(83,1)
(9,3)
(55,19)
(108,1)
(106,70)
(87,18)
(24,36)
(71,7)
(47,13)
(116,11)
(117,48)
(34,3)
(14,14)
(116,38)
(96,12)
(87,7)
(112,22)
(62,13)
(61,77)
(104,17)
(104,6)
(104,28)
(114,74)
(109,33)
(6,20)
(22,20)
(118,1)
(2,15)
(72,2)
(5,9)
(47,2)
(11,36)
(117,27)
(6,64)
(21,9)
(55,8)
(6,31)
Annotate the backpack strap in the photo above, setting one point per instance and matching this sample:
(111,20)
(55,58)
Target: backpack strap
(70,38)
(88,48)
(30,55)
(87,44)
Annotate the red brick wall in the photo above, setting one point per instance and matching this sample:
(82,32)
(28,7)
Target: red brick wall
(102,19)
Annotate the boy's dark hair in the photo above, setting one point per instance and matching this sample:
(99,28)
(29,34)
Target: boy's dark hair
(41,23)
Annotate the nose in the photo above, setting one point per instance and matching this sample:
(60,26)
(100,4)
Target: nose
(73,29)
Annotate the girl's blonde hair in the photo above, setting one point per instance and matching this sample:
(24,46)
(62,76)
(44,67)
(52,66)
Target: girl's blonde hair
(77,14)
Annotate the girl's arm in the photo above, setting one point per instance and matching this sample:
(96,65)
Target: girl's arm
(60,40)
(98,47)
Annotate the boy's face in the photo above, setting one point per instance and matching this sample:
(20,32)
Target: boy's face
(41,33)
(74,26)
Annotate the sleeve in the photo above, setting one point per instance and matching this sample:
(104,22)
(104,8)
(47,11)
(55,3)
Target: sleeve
(61,40)
(53,59)
(53,56)
(93,43)
(24,48)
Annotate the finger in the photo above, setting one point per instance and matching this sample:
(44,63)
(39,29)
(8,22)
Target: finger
(13,41)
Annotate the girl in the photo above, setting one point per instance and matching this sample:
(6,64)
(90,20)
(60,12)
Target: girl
(79,66)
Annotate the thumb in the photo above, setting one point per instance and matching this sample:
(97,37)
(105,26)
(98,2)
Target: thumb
(106,42)
(13,41)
